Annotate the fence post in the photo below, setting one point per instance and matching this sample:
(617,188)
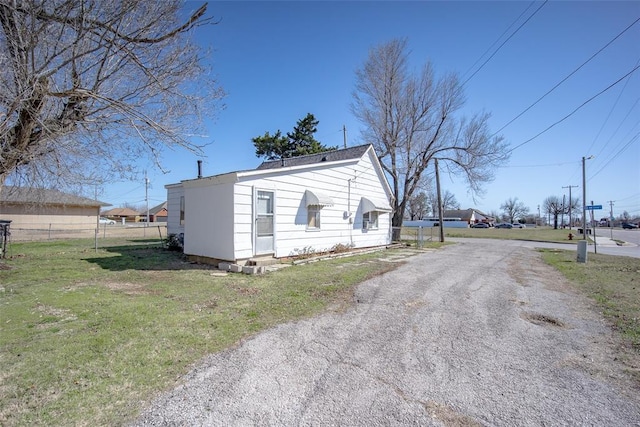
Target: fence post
(49,231)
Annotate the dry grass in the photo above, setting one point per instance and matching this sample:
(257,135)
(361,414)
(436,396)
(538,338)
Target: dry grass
(87,337)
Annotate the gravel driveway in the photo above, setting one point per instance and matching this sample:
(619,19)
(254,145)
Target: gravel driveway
(477,333)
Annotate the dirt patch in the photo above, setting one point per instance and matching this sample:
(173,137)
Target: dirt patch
(449,416)
(534,271)
(541,319)
(128,288)
(206,305)
(248,291)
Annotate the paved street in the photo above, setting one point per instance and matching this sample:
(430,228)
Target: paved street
(477,333)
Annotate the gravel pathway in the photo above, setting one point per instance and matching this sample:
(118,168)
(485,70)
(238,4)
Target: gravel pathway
(477,333)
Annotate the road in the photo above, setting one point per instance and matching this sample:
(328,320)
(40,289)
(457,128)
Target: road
(477,333)
(607,246)
(630,236)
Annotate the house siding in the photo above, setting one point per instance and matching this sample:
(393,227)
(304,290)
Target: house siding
(219,214)
(209,229)
(292,236)
(174,192)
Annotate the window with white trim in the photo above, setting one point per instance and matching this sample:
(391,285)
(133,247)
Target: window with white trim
(370,220)
(313,217)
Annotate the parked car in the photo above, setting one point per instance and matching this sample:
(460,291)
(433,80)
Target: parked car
(480,225)
(504,225)
(106,221)
(517,225)
(629,226)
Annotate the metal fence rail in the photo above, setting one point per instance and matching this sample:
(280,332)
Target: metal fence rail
(57,232)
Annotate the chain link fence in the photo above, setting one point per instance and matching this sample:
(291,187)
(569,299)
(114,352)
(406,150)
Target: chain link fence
(42,232)
(417,235)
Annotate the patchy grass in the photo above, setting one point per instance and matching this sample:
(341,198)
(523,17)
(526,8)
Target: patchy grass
(86,337)
(537,234)
(612,281)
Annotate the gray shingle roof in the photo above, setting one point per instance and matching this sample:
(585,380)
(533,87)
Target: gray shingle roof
(328,156)
(45,196)
(154,210)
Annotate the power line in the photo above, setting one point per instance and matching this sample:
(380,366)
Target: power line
(606,120)
(566,78)
(619,126)
(542,166)
(627,145)
(503,43)
(576,109)
(498,39)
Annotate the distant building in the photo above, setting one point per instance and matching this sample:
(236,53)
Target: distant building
(117,214)
(158,213)
(41,209)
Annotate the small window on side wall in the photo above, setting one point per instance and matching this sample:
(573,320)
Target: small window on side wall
(370,220)
(181,210)
(313,217)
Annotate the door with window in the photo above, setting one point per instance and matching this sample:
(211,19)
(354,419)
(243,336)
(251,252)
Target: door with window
(264,229)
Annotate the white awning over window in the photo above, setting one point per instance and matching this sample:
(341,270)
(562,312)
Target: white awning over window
(370,204)
(316,198)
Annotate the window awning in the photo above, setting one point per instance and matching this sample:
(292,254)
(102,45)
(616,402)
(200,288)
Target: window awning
(315,198)
(370,204)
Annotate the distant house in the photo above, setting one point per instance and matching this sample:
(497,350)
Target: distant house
(471,216)
(118,214)
(37,208)
(158,213)
(284,207)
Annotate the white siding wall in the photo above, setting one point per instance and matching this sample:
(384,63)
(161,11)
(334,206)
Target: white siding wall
(243,221)
(291,210)
(209,216)
(174,192)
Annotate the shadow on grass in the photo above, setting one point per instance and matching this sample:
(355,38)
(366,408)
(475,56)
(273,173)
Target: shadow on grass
(144,257)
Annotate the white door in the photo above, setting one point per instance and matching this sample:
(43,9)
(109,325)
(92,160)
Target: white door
(263,230)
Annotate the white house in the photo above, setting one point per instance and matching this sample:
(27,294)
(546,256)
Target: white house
(284,207)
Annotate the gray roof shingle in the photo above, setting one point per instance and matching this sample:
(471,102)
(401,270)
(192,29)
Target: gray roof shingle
(26,195)
(327,156)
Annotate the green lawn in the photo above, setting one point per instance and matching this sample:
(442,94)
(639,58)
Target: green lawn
(86,338)
(538,234)
(612,281)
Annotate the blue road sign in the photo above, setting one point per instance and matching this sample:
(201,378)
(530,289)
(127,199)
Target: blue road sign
(593,207)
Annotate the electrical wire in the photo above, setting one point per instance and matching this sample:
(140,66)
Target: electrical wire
(503,43)
(498,39)
(575,110)
(566,78)
(619,126)
(606,120)
(627,145)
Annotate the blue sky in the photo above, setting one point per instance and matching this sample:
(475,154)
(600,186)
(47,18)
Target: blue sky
(278,61)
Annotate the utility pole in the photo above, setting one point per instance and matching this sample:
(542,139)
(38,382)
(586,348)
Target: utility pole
(440,213)
(146,199)
(562,212)
(570,202)
(584,199)
(611,217)
(344,135)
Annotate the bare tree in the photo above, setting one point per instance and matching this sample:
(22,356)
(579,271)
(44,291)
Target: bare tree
(410,119)
(448,202)
(553,206)
(513,209)
(418,206)
(89,87)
